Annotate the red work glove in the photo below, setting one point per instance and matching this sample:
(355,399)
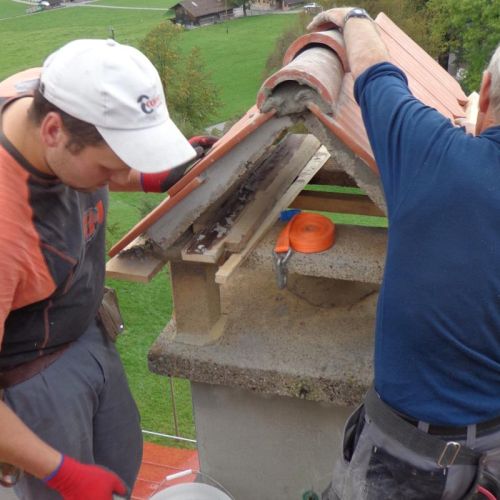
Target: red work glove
(163,181)
(77,481)
(202,143)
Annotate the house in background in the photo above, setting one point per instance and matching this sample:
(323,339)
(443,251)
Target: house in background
(289,4)
(275,4)
(200,12)
(264,4)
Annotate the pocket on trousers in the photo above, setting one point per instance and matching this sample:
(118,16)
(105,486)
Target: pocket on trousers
(352,431)
(390,478)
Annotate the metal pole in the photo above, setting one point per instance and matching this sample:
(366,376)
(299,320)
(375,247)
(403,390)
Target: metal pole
(174,408)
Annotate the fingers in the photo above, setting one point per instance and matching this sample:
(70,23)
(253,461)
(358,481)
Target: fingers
(203,140)
(329,19)
(119,487)
(202,143)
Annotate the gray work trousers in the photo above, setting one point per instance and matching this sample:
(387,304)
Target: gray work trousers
(82,406)
(381,468)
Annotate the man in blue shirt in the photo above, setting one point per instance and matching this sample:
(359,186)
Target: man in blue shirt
(431,428)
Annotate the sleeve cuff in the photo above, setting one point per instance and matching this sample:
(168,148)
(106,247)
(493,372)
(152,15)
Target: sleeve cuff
(53,474)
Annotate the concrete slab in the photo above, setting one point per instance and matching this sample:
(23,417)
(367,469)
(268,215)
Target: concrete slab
(357,255)
(311,341)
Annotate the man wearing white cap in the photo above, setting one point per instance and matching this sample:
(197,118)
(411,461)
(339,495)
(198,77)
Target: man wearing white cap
(98,117)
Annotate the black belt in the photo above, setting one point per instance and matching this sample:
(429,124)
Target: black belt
(444,452)
(445,430)
(13,376)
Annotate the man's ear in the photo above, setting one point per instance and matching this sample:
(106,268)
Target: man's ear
(484,117)
(484,92)
(51,130)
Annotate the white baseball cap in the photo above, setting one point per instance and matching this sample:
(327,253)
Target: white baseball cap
(118,90)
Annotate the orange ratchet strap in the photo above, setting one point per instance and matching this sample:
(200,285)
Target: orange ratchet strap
(304,233)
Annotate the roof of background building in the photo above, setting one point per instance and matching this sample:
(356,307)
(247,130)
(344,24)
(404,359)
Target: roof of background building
(200,8)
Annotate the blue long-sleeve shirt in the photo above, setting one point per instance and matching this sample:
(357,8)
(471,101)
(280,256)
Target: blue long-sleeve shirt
(437,345)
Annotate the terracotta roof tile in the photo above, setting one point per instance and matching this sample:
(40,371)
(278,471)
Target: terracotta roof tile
(317,68)
(418,55)
(331,39)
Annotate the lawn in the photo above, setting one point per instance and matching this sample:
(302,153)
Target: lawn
(26,41)
(235,54)
(157,4)
(8,8)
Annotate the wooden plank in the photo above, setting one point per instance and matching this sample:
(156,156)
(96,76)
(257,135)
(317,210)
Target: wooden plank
(227,269)
(280,167)
(337,202)
(265,199)
(333,178)
(135,263)
(209,255)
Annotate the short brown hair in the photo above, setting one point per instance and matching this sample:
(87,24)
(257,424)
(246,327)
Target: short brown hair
(81,134)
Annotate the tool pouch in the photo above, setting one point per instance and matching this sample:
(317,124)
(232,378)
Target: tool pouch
(109,314)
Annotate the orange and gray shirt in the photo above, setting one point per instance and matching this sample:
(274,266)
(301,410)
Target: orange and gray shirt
(52,259)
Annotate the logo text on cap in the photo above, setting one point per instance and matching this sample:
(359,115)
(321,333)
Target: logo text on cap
(149,104)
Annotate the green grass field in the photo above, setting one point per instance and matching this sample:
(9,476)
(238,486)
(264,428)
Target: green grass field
(235,54)
(8,8)
(28,40)
(157,4)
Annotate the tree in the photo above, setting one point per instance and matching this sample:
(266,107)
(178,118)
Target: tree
(195,98)
(241,3)
(469,29)
(161,47)
(409,15)
(192,97)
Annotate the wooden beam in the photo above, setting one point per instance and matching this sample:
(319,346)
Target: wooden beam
(318,160)
(333,178)
(337,202)
(135,263)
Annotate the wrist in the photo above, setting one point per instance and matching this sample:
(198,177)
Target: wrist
(162,181)
(356,13)
(55,471)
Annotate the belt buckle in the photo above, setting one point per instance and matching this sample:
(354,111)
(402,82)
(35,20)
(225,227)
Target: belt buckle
(453,448)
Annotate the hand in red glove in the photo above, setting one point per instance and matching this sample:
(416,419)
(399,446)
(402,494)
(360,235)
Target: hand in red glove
(77,481)
(202,143)
(163,181)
